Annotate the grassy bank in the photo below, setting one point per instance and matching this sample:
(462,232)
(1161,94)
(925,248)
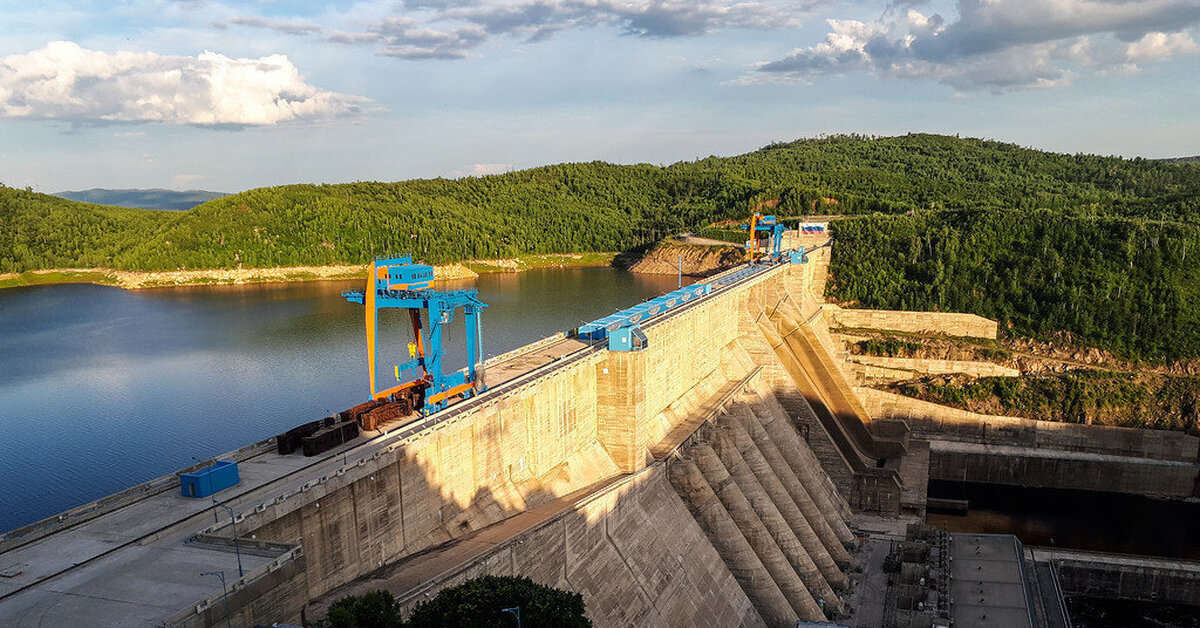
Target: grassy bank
(550,260)
(37,278)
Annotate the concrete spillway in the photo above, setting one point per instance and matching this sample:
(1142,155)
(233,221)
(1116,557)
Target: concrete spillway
(670,486)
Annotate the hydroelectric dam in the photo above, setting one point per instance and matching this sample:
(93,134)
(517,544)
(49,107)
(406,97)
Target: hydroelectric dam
(727,473)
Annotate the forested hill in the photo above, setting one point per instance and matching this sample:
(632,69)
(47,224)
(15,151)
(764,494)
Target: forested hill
(1041,241)
(583,207)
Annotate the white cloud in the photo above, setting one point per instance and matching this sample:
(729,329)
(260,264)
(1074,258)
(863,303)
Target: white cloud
(184,181)
(998,45)
(64,81)
(1158,46)
(450,29)
(481,170)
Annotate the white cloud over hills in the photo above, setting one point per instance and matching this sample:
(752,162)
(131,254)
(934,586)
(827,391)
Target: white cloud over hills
(64,81)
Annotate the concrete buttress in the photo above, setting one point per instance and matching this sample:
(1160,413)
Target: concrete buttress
(731,545)
(773,520)
(826,551)
(755,532)
(782,436)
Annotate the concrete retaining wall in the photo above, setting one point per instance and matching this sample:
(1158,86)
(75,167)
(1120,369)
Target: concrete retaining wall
(936,422)
(1094,574)
(904,368)
(1041,468)
(952,324)
(969,447)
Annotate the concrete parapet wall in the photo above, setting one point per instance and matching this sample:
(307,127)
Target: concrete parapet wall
(79,514)
(937,422)
(953,324)
(280,584)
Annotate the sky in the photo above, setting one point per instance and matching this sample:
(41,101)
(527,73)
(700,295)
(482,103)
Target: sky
(229,96)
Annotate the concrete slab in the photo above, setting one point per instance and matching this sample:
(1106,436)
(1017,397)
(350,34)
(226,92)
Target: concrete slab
(987,586)
(866,600)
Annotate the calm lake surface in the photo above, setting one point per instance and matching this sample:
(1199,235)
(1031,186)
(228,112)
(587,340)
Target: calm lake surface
(102,388)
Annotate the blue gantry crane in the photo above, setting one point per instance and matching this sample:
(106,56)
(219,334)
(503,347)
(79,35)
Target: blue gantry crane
(399,283)
(766,238)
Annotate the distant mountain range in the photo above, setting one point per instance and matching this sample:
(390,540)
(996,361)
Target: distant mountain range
(143,199)
(1182,160)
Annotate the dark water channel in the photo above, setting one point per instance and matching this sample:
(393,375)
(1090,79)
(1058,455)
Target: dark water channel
(1102,522)
(102,388)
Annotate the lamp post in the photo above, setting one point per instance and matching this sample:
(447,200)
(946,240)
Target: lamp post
(224,593)
(237,546)
(516,610)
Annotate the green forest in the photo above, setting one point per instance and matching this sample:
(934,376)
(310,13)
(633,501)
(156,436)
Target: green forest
(1122,284)
(1042,241)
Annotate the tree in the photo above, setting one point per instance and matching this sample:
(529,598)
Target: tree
(478,603)
(377,609)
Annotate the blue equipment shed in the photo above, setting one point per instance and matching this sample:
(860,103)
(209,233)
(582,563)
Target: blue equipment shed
(209,480)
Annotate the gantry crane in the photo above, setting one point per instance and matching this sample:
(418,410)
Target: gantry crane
(399,283)
(766,238)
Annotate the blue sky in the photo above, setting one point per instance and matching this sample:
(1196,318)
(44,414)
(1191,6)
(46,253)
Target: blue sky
(229,96)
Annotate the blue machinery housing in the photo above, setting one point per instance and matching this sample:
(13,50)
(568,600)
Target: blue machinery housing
(605,327)
(622,328)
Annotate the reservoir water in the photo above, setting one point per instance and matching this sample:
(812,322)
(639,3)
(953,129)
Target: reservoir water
(103,388)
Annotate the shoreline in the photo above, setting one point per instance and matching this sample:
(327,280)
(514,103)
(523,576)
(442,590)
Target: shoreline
(141,280)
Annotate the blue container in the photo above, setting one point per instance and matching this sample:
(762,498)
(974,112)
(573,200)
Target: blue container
(209,480)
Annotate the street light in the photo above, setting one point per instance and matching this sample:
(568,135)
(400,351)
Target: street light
(224,593)
(237,547)
(516,610)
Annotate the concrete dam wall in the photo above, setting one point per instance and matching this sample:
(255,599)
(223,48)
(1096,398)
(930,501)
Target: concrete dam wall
(671,482)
